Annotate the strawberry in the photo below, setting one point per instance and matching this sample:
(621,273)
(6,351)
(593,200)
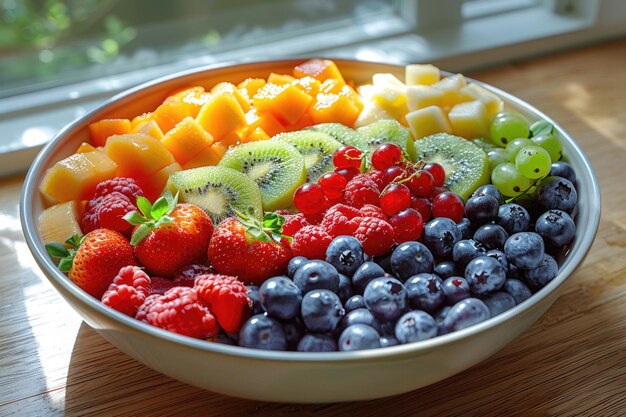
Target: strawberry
(250,249)
(169,235)
(94,259)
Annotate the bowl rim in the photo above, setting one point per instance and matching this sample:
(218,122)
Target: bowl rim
(30,230)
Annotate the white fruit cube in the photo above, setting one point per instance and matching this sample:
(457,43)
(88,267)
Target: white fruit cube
(493,103)
(366,91)
(60,222)
(428,121)
(371,113)
(420,96)
(421,74)
(469,119)
(387,80)
(451,87)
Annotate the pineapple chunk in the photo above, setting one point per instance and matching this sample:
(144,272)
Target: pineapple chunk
(386,80)
(451,87)
(469,119)
(60,222)
(366,92)
(421,74)
(492,102)
(371,113)
(390,95)
(420,96)
(427,121)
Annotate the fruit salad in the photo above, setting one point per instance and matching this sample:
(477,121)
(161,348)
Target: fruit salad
(301,212)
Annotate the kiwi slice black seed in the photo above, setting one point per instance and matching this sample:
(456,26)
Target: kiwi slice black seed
(342,134)
(217,190)
(317,148)
(388,131)
(274,165)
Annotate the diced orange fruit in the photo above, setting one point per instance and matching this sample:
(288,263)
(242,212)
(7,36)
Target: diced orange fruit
(256,134)
(85,147)
(104,128)
(186,140)
(332,85)
(287,102)
(335,108)
(76,177)
(251,86)
(279,79)
(304,121)
(354,97)
(186,103)
(309,85)
(232,139)
(228,88)
(210,156)
(221,116)
(60,222)
(137,155)
(265,121)
(150,128)
(321,69)
(153,185)
(140,120)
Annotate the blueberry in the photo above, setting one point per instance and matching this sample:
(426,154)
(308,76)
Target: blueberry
(359,337)
(345,253)
(466,228)
(441,313)
(499,302)
(481,209)
(445,269)
(455,289)
(513,218)
(253,295)
(316,342)
(484,275)
(500,257)
(464,314)
(491,236)
(280,297)
(488,189)
(563,169)
(360,316)
(556,227)
(321,310)
(424,291)
(387,341)
(316,274)
(518,290)
(383,261)
(440,235)
(345,288)
(386,298)
(415,326)
(466,250)
(524,250)
(294,331)
(556,193)
(539,277)
(262,332)
(295,263)
(366,272)
(411,258)
(354,302)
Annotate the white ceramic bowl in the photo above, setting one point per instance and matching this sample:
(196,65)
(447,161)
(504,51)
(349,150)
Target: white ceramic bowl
(295,376)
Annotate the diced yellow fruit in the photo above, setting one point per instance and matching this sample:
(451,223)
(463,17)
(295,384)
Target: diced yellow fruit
(285,102)
(141,119)
(394,105)
(184,103)
(221,115)
(153,185)
(371,113)
(420,96)
(85,147)
(186,140)
(451,88)
(232,139)
(320,69)
(150,128)
(428,121)
(210,156)
(421,74)
(334,108)
(493,103)
(390,81)
(60,222)
(266,121)
(137,155)
(366,91)
(280,79)
(104,128)
(255,135)
(251,86)
(228,88)
(469,119)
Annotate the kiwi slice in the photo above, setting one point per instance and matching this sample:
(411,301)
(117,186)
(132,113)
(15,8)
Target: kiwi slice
(274,165)
(388,131)
(217,190)
(342,134)
(317,148)
(466,165)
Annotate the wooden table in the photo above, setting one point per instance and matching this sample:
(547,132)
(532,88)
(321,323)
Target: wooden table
(571,362)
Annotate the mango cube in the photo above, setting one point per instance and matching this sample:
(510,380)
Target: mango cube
(250,86)
(309,85)
(420,96)
(493,103)
(150,128)
(428,121)
(153,185)
(85,147)
(210,156)
(186,140)
(104,128)
(320,69)
(267,122)
(137,155)
(256,134)
(285,102)
(469,119)
(185,103)
(221,116)
(228,88)
(279,79)
(421,74)
(334,108)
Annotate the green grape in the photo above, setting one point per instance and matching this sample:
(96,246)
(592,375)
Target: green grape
(496,157)
(483,144)
(550,143)
(508,180)
(506,126)
(533,162)
(515,145)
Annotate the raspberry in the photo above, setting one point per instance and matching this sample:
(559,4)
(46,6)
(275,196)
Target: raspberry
(179,310)
(128,290)
(126,186)
(361,190)
(370,210)
(338,220)
(108,212)
(293,223)
(379,178)
(375,235)
(186,277)
(311,242)
(227,298)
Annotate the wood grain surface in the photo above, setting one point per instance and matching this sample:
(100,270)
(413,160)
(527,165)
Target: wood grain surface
(572,362)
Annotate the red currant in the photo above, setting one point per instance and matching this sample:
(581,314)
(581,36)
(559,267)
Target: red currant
(438,173)
(347,157)
(421,183)
(423,206)
(386,155)
(395,198)
(448,205)
(348,173)
(394,172)
(332,184)
(309,198)
(407,225)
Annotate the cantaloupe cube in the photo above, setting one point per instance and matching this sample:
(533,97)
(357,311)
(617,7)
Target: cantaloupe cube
(251,86)
(303,122)
(280,79)
(469,119)
(150,128)
(451,88)
(140,120)
(371,113)
(137,155)
(420,96)
(232,139)
(353,96)
(331,86)
(60,222)
(186,140)
(265,121)
(421,74)
(285,102)
(85,147)
(493,103)
(309,85)
(102,129)
(334,108)
(320,69)
(255,134)
(221,115)
(427,121)
(153,185)
(228,88)
(186,103)
(210,156)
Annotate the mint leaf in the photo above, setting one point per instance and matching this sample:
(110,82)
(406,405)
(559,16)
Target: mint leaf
(143,204)
(541,127)
(57,250)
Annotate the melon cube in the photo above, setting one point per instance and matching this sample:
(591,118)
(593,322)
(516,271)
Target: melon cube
(137,155)
(266,121)
(371,113)
(451,88)
(210,156)
(228,88)
(469,119)
(186,140)
(493,103)
(150,128)
(320,69)
(334,108)
(428,121)
(279,79)
(250,86)
(104,128)
(60,222)
(421,74)
(309,85)
(420,96)
(221,115)
(185,103)
(285,102)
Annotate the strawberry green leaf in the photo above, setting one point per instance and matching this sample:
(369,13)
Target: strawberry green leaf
(75,241)
(159,208)
(134,218)
(273,221)
(144,206)
(140,234)
(57,250)
(66,264)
